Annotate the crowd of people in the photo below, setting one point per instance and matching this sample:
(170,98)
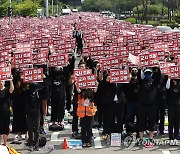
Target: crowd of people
(137,106)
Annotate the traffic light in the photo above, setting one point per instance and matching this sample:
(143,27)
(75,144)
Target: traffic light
(9,11)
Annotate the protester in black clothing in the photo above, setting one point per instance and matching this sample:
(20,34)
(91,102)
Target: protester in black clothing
(115,99)
(69,72)
(148,97)
(173,101)
(19,119)
(4,109)
(162,102)
(57,95)
(131,92)
(32,111)
(79,42)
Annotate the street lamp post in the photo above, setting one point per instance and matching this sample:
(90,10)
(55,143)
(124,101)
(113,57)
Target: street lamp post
(47,11)
(52,8)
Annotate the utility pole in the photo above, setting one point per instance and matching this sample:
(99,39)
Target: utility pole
(52,8)
(47,10)
(57,8)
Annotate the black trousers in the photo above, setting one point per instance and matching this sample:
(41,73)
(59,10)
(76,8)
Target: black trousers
(174,121)
(68,97)
(105,116)
(75,117)
(57,105)
(161,114)
(115,113)
(147,117)
(100,113)
(86,129)
(33,123)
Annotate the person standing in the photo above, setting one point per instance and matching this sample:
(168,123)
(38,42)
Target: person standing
(32,110)
(148,97)
(86,111)
(173,101)
(19,119)
(131,93)
(4,109)
(57,95)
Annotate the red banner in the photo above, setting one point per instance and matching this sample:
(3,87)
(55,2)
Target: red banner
(119,76)
(39,58)
(174,72)
(110,63)
(33,75)
(82,72)
(22,58)
(164,67)
(87,81)
(148,60)
(5,73)
(58,60)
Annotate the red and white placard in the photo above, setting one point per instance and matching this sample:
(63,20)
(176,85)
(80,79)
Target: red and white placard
(149,60)
(174,72)
(5,73)
(87,81)
(119,76)
(58,60)
(21,58)
(33,75)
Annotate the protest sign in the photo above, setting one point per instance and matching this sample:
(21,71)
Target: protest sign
(33,75)
(5,73)
(86,81)
(58,60)
(148,60)
(119,76)
(174,72)
(21,58)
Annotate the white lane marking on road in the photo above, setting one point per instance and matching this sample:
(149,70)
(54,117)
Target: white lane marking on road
(54,136)
(166,152)
(97,140)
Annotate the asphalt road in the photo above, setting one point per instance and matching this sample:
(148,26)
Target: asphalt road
(99,146)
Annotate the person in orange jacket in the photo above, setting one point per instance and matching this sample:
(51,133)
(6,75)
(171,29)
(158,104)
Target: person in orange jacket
(86,110)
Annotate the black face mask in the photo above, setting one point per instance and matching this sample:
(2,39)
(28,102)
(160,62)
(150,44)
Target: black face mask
(134,73)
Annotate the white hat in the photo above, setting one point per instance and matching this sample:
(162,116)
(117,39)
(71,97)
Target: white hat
(148,70)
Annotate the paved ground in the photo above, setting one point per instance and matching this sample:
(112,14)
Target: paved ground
(55,141)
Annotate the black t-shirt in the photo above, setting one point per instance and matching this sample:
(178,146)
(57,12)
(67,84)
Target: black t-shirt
(4,99)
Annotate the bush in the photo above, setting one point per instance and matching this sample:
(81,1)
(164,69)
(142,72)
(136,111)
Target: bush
(131,20)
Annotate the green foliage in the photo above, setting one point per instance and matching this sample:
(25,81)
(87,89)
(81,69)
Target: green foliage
(152,9)
(27,8)
(177,16)
(131,20)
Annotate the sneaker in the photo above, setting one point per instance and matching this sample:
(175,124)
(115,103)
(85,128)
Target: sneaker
(36,148)
(88,145)
(31,148)
(84,145)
